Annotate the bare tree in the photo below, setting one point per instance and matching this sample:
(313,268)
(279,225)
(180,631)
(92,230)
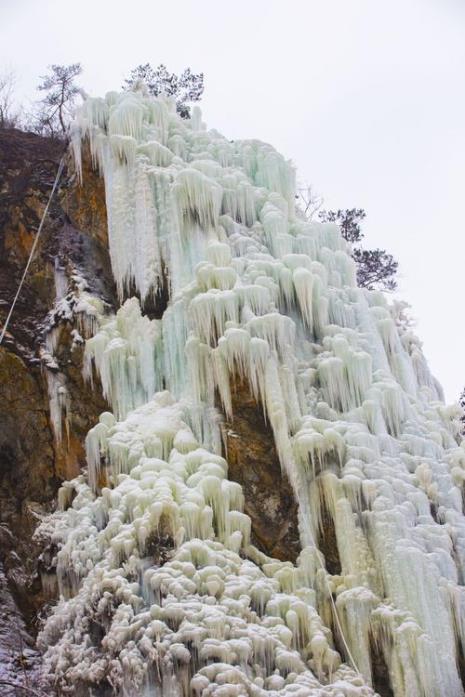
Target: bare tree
(308,200)
(55,109)
(462,404)
(9,117)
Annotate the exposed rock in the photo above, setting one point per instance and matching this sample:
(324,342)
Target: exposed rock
(85,204)
(29,165)
(254,463)
(74,237)
(19,660)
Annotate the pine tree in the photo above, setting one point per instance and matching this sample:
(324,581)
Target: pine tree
(186,87)
(55,109)
(376,268)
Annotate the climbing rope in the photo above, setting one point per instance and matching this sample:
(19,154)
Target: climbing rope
(31,255)
(337,618)
(333,604)
(24,688)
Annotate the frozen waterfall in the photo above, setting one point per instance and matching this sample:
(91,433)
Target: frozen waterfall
(161,591)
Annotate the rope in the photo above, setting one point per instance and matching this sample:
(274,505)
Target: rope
(26,689)
(336,616)
(31,255)
(311,540)
(335,610)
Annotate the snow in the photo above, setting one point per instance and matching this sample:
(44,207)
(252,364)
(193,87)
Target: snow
(153,545)
(76,307)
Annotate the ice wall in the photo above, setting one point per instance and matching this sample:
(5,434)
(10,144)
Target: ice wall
(161,591)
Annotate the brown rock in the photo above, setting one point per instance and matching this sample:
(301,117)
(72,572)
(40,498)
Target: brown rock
(74,236)
(254,463)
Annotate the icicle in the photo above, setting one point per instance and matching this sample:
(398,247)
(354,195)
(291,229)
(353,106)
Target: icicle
(153,545)
(303,284)
(198,199)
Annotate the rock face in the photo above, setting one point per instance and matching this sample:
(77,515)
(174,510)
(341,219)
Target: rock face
(269,500)
(27,458)
(33,462)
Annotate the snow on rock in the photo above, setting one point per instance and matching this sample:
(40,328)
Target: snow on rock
(161,590)
(74,304)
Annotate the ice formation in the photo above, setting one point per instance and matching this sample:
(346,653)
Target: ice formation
(75,306)
(161,591)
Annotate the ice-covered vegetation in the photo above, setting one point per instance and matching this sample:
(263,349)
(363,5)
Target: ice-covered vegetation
(161,591)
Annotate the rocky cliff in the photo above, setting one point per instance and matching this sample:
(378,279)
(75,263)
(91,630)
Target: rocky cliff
(262,488)
(47,407)
(33,461)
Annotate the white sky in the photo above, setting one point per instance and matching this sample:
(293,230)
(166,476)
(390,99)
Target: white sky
(367,97)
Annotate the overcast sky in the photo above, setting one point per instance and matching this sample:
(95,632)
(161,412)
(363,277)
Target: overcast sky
(367,97)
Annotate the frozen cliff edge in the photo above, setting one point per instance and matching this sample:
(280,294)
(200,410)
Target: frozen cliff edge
(161,591)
